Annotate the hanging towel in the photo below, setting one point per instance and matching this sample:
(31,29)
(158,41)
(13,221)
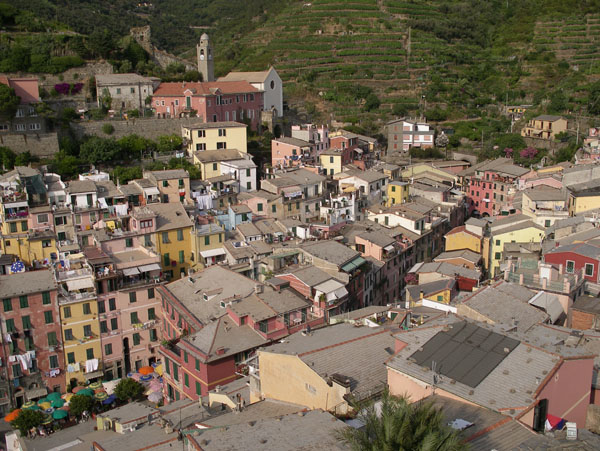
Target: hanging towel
(54,372)
(121,209)
(94,364)
(8,338)
(12,358)
(23,360)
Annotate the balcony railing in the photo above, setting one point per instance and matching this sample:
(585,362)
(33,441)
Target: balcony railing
(73,274)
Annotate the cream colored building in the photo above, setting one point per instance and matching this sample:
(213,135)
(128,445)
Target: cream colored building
(215,136)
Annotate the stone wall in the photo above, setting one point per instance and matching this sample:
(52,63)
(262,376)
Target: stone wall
(41,145)
(150,128)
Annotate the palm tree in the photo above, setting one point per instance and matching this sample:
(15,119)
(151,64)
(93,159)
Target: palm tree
(398,425)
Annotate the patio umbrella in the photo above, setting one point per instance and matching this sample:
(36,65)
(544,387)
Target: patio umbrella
(110,399)
(77,389)
(34,407)
(28,405)
(155,397)
(44,405)
(86,392)
(47,419)
(53,396)
(158,369)
(146,378)
(67,396)
(12,416)
(42,401)
(101,396)
(60,414)
(49,410)
(57,403)
(136,376)
(145,370)
(95,385)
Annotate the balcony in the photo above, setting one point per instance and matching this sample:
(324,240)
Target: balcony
(73,274)
(543,277)
(68,297)
(11,197)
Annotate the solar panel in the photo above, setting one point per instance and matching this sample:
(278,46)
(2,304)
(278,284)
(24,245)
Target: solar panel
(466,352)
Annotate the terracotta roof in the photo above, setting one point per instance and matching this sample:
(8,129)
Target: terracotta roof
(204,88)
(460,229)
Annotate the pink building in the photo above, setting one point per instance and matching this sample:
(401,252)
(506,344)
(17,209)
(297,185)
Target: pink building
(287,152)
(478,365)
(210,101)
(346,142)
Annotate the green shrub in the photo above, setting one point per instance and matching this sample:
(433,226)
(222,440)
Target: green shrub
(109,129)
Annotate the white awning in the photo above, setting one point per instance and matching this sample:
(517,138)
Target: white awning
(213,252)
(131,271)
(292,191)
(152,267)
(80,284)
(358,150)
(152,191)
(389,248)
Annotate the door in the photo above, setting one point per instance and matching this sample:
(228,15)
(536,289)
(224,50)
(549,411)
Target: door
(126,355)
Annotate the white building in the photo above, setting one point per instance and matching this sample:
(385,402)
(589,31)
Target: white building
(244,171)
(267,81)
(343,208)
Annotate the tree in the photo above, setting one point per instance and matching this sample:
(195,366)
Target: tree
(124,174)
(129,389)
(79,404)
(9,102)
(99,150)
(169,143)
(7,158)
(65,165)
(594,99)
(372,102)
(400,425)
(27,419)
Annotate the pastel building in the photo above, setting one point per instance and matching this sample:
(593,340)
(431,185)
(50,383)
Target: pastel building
(210,101)
(215,136)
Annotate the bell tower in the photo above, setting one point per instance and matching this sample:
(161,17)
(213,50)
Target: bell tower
(205,58)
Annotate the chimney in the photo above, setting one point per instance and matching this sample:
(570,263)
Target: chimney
(258,288)
(220,351)
(421,295)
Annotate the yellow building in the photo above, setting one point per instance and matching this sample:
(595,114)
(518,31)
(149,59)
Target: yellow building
(544,127)
(173,185)
(331,161)
(209,161)
(397,193)
(208,240)
(215,136)
(437,291)
(460,238)
(584,199)
(79,321)
(173,238)
(515,231)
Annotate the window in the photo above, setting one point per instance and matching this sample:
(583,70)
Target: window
(166,260)
(48,319)
(498,255)
(53,361)
(134,318)
(23,302)
(112,305)
(87,330)
(263,326)
(132,90)
(274,208)
(201,133)
(153,335)
(46,243)
(136,339)
(118,90)
(570,266)
(150,293)
(52,340)
(89,353)
(165,237)
(186,379)
(185,356)
(71,357)
(108,349)
(114,324)
(46,297)
(497,242)
(10,325)
(69,334)
(67,312)
(248,185)
(201,146)
(198,388)
(547,222)
(101,307)
(103,327)
(128,242)
(132,296)
(13,227)
(87,310)
(214,166)
(42,219)
(197,366)
(175,372)
(179,235)
(589,269)
(26,322)
(7,305)
(165,183)
(221,145)
(222,132)
(181,257)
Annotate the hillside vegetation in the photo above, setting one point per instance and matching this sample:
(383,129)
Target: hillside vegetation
(364,61)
